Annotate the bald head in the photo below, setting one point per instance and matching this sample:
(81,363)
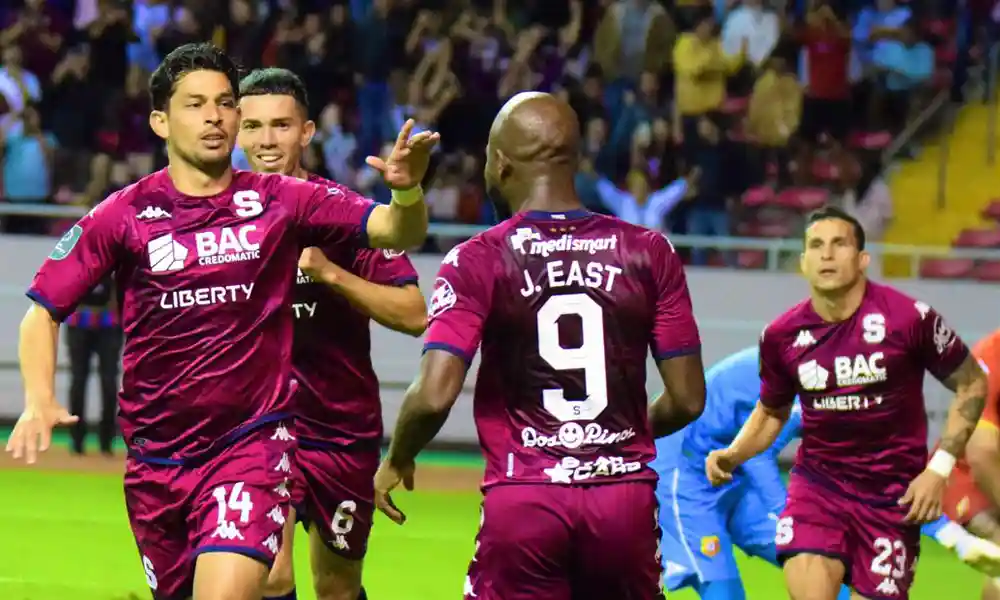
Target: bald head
(534,127)
(532,155)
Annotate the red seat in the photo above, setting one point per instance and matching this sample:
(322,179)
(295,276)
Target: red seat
(825,170)
(733,106)
(992,211)
(774,230)
(946,268)
(941,28)
(758,196)
(941,78)
(870,140)
(804,198)
(751,259)
(978,238)
(987,270)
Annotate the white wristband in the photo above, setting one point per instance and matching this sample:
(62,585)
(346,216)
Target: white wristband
(942,463)
(408,197)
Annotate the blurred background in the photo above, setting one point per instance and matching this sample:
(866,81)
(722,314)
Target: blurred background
(719,121)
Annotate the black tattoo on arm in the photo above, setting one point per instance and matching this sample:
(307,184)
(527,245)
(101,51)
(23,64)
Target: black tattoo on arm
(970,387)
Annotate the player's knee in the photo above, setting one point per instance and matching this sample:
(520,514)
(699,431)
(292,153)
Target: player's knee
(337,584)
(723,589)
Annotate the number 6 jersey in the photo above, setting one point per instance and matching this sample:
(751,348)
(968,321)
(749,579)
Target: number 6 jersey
(566,306)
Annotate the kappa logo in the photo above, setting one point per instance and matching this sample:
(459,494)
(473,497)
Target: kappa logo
(271,543)
(391,254)
(276,515)
(165,254)
(804,339)
(151,213)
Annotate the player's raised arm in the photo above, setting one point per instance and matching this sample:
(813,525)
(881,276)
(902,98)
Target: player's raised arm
(80,259)
(676,345)
(459,305)
(403,223)
(397,303)
(761,430)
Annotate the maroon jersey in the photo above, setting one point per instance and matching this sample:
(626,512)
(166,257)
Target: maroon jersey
(337,402)
(864,428)
(566,306)
(205,285)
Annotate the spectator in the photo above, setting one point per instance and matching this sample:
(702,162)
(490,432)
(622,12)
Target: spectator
(18,86)
(372,78)
(135,139)
(339,145)
(826,104)
(875,25)
(708,214)
(634,36)
(640,108)
(870,201)
(759,26)
(27,169)
(905,64)
(74,104)
(149,18)
(701,68)
(639,205)
(39,31)
(245,33)
(110,36)
(773,116)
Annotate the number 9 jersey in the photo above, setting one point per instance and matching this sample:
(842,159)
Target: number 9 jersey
(566,307)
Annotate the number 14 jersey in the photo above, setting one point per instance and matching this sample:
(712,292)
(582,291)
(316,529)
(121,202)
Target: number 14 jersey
(566,307)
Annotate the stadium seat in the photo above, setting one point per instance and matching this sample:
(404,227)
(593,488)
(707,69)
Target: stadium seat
(992,211)
(825,170)
(735,106)
(764,229)
(757,196)
(946,268)
(803,199)
(987,270)
(978,238)
(870,140)
(751,259)
(941,78)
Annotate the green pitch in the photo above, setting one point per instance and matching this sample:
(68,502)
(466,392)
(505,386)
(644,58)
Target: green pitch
(65,536)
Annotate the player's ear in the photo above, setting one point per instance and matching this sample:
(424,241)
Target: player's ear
(308,131)
(158,123)
(503,166)
(864,259)
(802,263)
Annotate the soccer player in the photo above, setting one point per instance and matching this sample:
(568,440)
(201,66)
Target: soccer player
(701,523)
(567,305)
(339,416)
(204,259)
(973,494)
(855,352)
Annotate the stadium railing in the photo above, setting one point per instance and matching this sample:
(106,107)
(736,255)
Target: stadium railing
(777,250)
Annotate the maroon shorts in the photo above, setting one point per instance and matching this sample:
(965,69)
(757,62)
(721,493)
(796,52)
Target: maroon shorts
(334,491)
(236,501)
(559,542)
(877,548)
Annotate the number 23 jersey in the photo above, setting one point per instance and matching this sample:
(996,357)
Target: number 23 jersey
(565,307)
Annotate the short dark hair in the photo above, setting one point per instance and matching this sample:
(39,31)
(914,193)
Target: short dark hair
(281,82)
(832,212)
(187,59)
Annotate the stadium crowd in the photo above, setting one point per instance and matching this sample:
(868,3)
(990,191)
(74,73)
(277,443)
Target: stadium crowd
(721,99)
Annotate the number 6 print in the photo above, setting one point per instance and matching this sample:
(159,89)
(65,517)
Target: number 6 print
(343,518)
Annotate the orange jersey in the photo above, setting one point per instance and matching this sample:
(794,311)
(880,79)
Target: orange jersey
(987,351)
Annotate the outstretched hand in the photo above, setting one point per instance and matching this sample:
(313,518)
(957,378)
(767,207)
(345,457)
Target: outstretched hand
(407,163)
(33,431)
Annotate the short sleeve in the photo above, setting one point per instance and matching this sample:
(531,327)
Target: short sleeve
(938,347)
(329,214)
(675,332)
(385,267)
(777,387)
(460,302)
(84,256)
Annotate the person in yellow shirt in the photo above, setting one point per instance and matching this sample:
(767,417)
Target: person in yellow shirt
(701,69)
(774,114)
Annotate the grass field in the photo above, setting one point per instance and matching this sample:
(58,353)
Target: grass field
(65,537)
